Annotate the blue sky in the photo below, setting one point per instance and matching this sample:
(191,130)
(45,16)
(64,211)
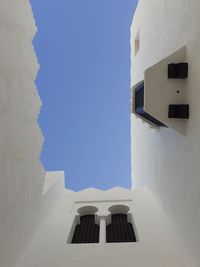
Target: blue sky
(83,47)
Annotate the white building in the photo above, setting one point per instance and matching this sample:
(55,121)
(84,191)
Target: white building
(22,175)
(157,241)
(167,160)
(154,224)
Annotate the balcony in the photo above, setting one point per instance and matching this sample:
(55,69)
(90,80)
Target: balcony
(160,99)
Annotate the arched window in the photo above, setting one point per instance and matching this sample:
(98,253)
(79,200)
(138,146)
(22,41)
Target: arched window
(120,230)
(87,231)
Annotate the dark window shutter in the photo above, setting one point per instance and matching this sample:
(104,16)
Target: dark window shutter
(120,230)
(87,231)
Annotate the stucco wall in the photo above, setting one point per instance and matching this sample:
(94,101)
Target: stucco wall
(159,244)
(164,160)
(21,173)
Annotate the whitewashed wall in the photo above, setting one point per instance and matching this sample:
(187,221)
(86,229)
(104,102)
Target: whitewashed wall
(21,173)
(164,160)
(159,245)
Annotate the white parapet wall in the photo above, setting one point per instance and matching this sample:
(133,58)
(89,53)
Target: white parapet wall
(158,244)
(165,161)
(21,172)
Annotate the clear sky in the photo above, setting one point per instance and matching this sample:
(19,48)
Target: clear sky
(83,47)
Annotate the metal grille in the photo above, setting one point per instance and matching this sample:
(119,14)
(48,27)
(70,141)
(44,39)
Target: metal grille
(87,231)
(120,230)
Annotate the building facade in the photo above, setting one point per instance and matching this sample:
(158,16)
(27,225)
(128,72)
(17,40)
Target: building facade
(22,174)
(167,160)
(106,239)
(154,224)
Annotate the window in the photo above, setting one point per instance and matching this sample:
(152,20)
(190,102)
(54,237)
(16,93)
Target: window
(137,43)
(112,225)
(87,231)
(139,105)
(120,230)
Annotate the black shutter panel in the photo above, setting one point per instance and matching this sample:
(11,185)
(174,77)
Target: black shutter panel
(120,230)
(87,231)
